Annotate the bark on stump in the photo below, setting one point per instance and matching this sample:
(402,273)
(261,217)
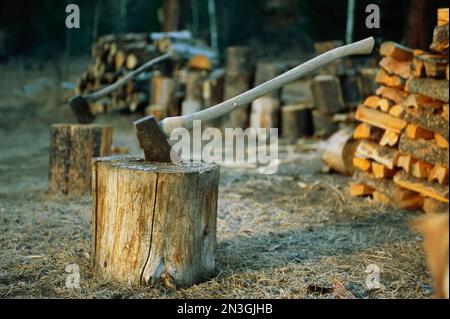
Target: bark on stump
(72,146)
(154,222)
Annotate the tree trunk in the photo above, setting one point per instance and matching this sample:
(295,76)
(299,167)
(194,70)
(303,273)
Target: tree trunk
(154,222)
(72,146)
(297,121)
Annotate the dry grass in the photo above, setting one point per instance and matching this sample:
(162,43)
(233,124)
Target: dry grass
(289,235)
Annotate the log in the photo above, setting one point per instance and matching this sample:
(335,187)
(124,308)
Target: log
(439,173)
(397,110)
(360,190)
(436,89)
(297,121)
(386,191)
(397,96)
(339,152)
(154,222)
(323,124)
(396,51)
(414,132)
(264,113)
(193,101)
(381,171)
(436,191)
(440,39)
(405,161)
(380,119)
(366,81)
(362,164)
(441,142)
(381,154)
(424,150)
(389,138)
(421,101)
(428,120)
(394,67)
(430,65)
(350,88)
(392,81)
(72,146)
(327,93)
(442,14)
(421,169)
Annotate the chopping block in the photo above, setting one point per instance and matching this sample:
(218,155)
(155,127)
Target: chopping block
(154,223)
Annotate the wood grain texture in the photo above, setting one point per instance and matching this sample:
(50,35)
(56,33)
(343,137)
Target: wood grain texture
(154,222)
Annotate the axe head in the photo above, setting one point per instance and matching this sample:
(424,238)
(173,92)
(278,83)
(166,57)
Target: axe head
(81,110)
(152,140)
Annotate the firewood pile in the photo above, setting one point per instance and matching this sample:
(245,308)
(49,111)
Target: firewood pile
(159,90)
(403,153)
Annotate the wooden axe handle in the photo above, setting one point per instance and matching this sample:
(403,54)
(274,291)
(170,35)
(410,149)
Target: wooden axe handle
(110,88)
(358,48)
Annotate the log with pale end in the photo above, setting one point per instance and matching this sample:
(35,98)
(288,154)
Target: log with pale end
(154,222)
(72,146)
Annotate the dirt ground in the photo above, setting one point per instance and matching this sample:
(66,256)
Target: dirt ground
(288,235)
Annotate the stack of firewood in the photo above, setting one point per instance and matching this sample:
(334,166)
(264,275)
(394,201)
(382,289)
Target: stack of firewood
(403,152)
(113,55)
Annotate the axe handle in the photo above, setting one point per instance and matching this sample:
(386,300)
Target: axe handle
(358,48)
(110,88)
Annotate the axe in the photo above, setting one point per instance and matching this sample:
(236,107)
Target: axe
(153,136)
(80,104)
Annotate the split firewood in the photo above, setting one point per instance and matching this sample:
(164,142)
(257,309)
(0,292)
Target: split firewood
(422,101)
(439,173)
(440,39)
(427,119)
(413,131)
(430,65)
(327,93)
(357,190)
(396,51)
(421,169)
(424,150)
(442,16)
(362,164)
(441,142)
(394,67)
(389,138)
(368,132)
(436,89)
(436,191)
(405,161)
(386,191)
(398,96)
(392,81)
(445,112)
(339,152)
(381,171)
(384,105)
(297,121)
(380,119)
(396,110)
(381,154)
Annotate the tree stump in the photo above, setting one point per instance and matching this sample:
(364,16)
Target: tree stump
(327,93)
(72,146)
(297,121)
(154,222)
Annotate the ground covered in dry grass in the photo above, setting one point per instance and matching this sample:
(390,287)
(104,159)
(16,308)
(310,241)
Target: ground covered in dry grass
(296,234)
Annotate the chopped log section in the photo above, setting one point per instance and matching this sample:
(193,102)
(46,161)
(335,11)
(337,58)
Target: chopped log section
(327,93)
(428,120)
(264,112)
(237,81)
(297,121)
(389,138)
(394,67)
(363,164)
(396,51)
(360,190)
(339,152)
(405,161)
(380,119)
(392,81)
(368,132)
(413,131)
(436,89)
(381,154)
(392,94)
(425,150)
(419,185)
(72,146)
(154,222)
(432,206)
(440,39)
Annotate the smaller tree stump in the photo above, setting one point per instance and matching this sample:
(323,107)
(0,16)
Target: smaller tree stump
(72,146)
(154,222)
